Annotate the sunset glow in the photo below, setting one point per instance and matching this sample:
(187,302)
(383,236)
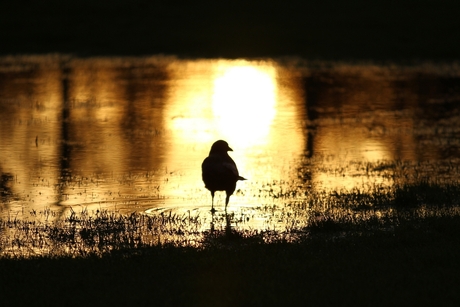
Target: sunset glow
(244,101)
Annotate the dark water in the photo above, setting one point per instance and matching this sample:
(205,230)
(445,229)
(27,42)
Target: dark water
(129,134)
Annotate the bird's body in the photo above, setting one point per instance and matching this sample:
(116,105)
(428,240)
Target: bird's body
(219,171)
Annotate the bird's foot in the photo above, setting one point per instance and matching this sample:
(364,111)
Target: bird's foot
(213,210)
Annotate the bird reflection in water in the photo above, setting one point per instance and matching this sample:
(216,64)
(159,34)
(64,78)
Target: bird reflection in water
(218,219)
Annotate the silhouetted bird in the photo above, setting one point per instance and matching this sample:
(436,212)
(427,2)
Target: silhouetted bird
(219,171)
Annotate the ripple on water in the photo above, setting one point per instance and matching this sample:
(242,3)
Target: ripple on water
(240,216)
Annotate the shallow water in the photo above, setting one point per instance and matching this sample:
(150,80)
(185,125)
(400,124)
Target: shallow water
(129,134)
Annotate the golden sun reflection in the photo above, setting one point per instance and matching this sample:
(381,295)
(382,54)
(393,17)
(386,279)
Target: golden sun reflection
(234,100)
(244,102)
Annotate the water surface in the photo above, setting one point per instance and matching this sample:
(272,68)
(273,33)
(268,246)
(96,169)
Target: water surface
(129,134)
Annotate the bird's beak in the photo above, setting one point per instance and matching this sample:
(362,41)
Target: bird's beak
(229,149)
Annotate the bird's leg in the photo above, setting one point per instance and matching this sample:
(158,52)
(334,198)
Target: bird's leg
(212,203)
(227,199)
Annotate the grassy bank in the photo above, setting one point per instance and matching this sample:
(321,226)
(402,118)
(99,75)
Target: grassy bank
(415,265)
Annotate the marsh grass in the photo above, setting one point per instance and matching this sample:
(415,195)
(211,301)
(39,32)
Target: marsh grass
(328,215)
(82,234)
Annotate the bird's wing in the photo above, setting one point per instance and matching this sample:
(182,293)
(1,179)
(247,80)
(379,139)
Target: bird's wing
(218,166)
(232,167)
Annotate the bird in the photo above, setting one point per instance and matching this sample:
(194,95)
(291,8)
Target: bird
(219,171)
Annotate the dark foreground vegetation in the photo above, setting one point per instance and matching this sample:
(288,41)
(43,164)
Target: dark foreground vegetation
(417,265)
(404,251)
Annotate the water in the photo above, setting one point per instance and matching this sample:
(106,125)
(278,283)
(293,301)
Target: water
(129,134)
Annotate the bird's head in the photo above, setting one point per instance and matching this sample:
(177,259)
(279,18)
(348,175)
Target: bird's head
(220,146)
